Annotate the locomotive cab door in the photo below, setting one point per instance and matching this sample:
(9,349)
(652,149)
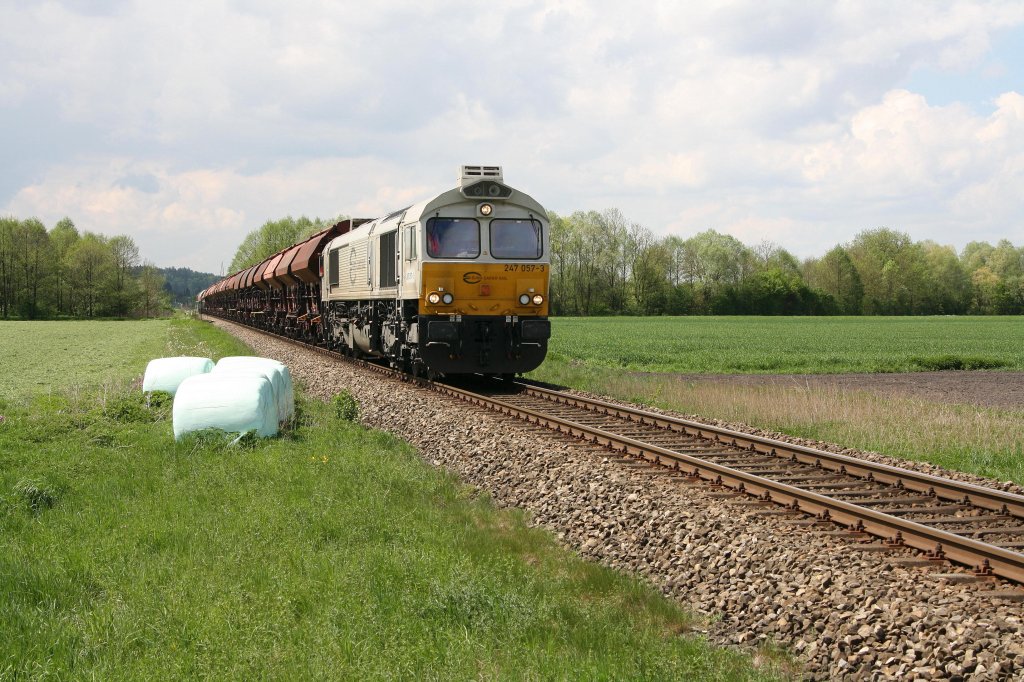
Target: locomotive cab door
(408,261)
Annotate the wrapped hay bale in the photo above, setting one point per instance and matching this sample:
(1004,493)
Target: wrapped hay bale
(269,373)
(230,402)
(282,379)
(166,374)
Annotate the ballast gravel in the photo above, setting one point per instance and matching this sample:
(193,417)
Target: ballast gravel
(843,612)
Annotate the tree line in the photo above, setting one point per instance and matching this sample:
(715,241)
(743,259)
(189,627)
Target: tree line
(63,273)
(184,284)
(601,264)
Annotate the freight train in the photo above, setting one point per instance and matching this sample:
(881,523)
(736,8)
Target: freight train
(454,284)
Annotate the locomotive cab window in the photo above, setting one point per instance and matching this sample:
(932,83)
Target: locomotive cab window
(453,238)
(520,239)
(388,255)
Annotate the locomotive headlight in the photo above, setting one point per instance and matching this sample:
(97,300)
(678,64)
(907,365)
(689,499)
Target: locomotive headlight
(524,299)
(434,297)
(447,298)
(485,209)
(538,299)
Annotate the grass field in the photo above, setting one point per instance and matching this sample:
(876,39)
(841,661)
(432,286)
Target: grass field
(333,552)
(46,356)
(41,355)
(781,345)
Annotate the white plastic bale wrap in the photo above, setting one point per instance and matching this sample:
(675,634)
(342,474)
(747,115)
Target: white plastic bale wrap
(284,388)
(166,374)
(235,403)
(271,374)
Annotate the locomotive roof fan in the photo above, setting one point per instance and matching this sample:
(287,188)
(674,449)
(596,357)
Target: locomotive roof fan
(483,182)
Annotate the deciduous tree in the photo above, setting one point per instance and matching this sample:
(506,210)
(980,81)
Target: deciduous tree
(152,297)
(123,290)
(90,266)
(62,237)
(836,275)
(33,257)
(8,228)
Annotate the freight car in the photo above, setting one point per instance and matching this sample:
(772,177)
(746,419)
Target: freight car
(454,284)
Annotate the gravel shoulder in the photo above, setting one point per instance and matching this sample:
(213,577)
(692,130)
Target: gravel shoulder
(1003,390)
(845,613)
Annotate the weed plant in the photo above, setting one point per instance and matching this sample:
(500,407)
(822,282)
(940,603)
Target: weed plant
(332,552)
(345,406)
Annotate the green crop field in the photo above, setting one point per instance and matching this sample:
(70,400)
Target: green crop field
(43,355)
(332,552)
(782,345)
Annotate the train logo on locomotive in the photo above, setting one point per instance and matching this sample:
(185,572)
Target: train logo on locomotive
(457,283)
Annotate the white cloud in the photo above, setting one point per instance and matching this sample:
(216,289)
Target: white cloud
(188,124)
(198,217)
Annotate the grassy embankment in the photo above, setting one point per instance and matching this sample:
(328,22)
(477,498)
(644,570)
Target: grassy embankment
(635,359)
(332,552)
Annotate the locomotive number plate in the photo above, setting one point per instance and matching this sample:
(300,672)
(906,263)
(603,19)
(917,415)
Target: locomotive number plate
(525,267)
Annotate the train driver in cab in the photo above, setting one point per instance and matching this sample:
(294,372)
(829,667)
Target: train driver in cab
(453,238)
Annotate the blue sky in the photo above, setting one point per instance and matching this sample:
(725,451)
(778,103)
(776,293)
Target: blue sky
(186,125)
(978,83)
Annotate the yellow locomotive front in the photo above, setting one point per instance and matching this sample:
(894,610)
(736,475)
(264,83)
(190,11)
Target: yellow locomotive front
(483,279)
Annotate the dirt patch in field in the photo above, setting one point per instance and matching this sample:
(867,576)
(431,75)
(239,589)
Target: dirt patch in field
(1003,390)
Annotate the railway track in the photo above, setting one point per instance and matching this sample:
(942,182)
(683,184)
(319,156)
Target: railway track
(949,521)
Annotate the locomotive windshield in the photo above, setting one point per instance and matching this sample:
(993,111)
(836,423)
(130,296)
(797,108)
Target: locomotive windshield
(516,238)
(453,238)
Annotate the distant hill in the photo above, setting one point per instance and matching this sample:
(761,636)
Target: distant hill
(183,284)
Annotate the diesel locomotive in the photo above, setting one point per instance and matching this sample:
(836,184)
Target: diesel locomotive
(454,284)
